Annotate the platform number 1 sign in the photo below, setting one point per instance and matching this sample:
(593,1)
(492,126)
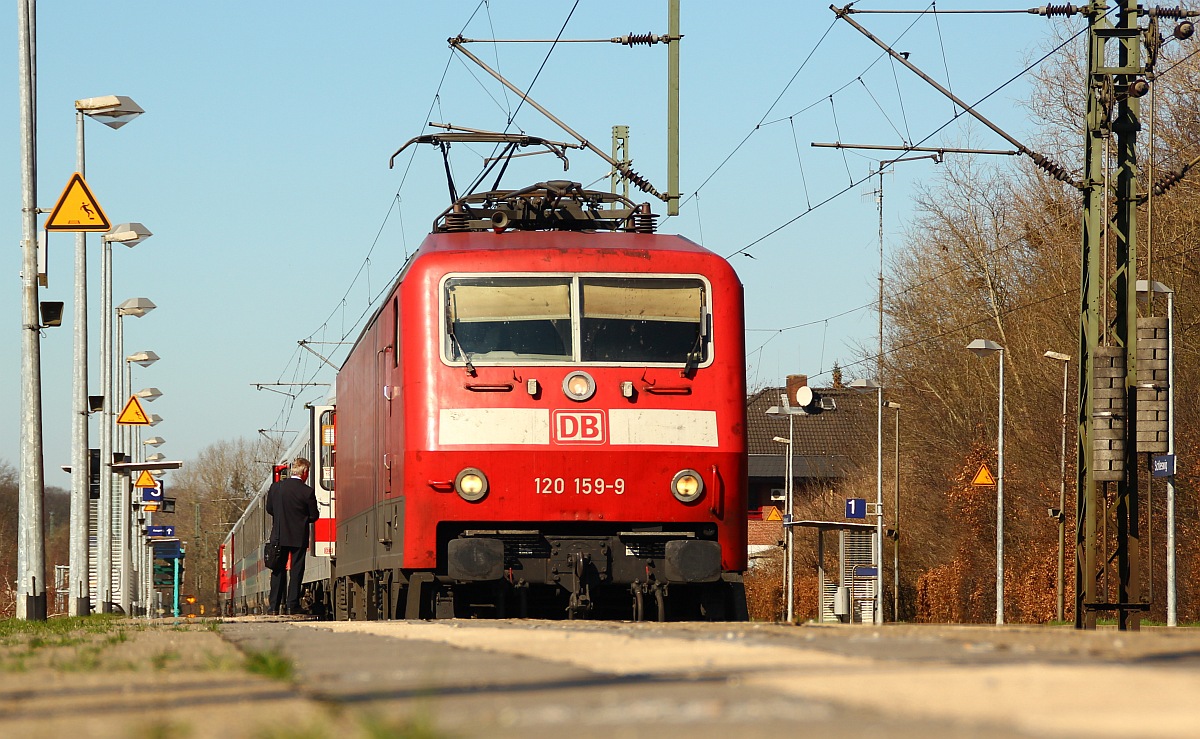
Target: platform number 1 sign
(856,507)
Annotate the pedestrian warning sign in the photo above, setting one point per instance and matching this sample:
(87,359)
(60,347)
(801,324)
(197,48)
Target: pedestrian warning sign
(133,414)
(771,513)
(77,209)
(146,480)
(984,477)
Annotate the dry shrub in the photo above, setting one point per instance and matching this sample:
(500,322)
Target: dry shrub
(765,596)
(764,588)
(805,604)
(1031,583)
(939,593)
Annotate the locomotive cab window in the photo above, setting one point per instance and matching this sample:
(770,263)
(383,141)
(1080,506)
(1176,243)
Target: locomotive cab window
(642,320)
(507,318)
(595,319)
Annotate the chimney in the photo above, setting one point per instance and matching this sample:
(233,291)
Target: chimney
(794,383)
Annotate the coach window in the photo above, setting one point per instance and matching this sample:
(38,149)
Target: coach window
(505,318)
(395,332)
(327,446)
(643,320)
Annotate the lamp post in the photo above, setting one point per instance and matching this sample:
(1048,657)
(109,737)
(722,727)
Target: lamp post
(804,398)
(1150,288)
(984,348)
(146,563)
(1060,515)
(896,517)
(864,386)
(788,562)
(113,111)
(31,544)
(136,307)
(129,234)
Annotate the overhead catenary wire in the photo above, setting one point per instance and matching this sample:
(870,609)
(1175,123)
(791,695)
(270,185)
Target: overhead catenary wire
(340,306)
(962,327)
(945,62)
(745,249)
(762,122)
(895,293)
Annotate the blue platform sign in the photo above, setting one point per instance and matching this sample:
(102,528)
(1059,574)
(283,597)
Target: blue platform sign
(856,507)
(1162,465)
(153,531)
(168,550)
(154,494)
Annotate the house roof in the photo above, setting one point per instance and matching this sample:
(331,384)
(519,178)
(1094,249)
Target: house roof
(826,444)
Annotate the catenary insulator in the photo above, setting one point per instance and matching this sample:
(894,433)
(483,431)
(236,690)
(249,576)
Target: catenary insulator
(635,39)
(640,182)
(1052,10)
(1056,170)
(1166,183)
(1175,12)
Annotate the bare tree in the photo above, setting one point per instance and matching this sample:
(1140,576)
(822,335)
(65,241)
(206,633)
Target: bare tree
(993,252)
(212,492)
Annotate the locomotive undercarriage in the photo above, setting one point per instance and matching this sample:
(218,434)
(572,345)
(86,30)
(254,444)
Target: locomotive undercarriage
(636,573)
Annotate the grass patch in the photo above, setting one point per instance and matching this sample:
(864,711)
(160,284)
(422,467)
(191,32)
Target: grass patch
(165,730)
(219,662)
(414,727)
(314,731)
(86,659)
(13,630)
(118,638)
(270,664)
(162,659)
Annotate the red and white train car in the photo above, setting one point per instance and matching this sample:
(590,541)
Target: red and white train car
(545,422)
(243,582)
(545,416)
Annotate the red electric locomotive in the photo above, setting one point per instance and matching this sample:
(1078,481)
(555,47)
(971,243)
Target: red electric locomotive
(546,416)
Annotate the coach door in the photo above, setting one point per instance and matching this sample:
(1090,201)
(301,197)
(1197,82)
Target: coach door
(324,433)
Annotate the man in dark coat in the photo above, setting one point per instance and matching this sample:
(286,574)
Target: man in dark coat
(292,504)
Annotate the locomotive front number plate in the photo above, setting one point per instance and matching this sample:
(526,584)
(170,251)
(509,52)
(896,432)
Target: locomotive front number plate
(578,485)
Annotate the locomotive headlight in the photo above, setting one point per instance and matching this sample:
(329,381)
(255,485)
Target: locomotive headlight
(471,484)
(579,385)
(687,486)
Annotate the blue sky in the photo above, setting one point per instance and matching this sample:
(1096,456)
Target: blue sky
(261,167)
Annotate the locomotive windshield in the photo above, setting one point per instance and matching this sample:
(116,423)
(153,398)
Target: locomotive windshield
(501,318)
(592,319)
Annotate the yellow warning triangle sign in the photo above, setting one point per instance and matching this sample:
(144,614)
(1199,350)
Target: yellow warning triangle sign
(771,513)
(984,476)
(77,209)
(133,414)
(146,480)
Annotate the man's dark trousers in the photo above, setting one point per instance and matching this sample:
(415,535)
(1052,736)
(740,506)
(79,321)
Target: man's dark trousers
(297,556)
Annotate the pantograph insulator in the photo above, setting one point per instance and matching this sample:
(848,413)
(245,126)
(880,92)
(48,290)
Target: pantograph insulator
(644,220)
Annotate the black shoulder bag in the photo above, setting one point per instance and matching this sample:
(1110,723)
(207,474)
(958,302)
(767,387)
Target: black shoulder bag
(275,557)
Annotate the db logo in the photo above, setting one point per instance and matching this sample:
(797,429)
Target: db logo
(579,427)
